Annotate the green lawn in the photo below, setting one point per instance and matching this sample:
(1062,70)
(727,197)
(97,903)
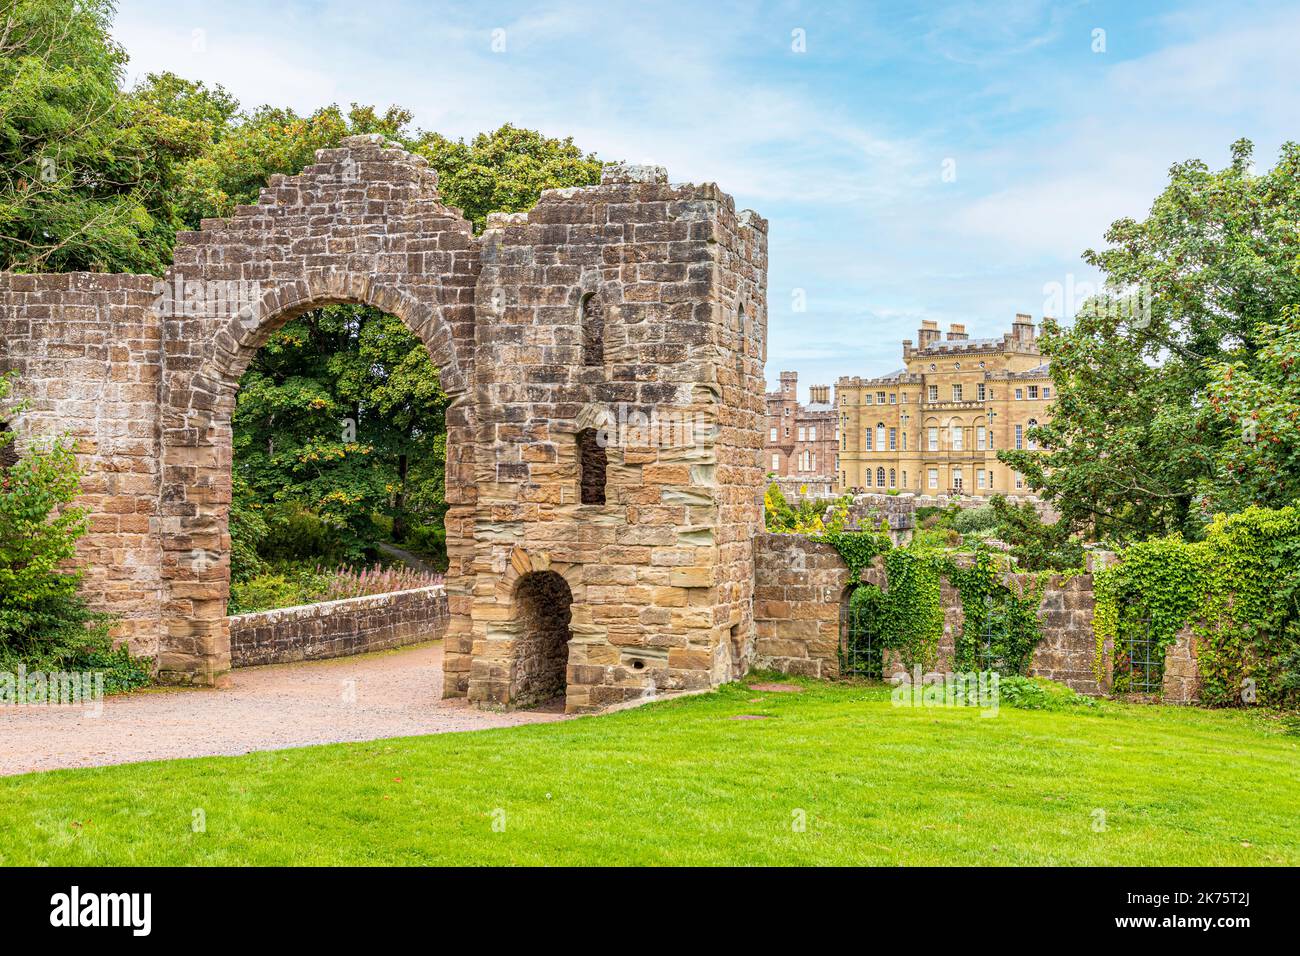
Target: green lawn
(682,783)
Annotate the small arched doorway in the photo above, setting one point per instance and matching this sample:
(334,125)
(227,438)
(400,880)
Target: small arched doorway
(543,611)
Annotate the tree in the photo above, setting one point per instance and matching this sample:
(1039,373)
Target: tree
(505,170)
(1259,463)
(86,171)
(1135,443)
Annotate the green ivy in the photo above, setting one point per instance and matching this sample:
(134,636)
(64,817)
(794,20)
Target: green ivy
(987,597)
(1239,589)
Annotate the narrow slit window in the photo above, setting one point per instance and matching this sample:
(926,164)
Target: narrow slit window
(593,330)
(592,464)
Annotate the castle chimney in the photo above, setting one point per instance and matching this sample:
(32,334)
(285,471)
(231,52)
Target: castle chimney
(1022,328)
(957,332)
(928,334)
(820,394)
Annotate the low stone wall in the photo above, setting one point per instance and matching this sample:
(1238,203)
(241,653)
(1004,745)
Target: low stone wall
(338,628)
(801,586)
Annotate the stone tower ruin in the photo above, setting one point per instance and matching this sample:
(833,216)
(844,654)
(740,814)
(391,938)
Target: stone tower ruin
(604,357)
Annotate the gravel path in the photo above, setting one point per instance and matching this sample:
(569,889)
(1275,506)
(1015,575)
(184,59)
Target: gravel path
(389,694)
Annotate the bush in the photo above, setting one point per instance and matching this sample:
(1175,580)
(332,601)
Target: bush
(972,520)
(45,623)
(1039,693)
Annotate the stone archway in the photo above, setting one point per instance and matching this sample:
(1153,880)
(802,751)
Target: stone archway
(313,240)
(543,605)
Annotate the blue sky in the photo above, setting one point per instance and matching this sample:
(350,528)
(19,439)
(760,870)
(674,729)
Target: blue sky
(843,146)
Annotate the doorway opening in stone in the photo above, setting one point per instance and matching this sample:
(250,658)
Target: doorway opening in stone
(543,613)
(338,462)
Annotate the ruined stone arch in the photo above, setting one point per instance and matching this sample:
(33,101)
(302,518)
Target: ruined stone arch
(312,240)
(660,579)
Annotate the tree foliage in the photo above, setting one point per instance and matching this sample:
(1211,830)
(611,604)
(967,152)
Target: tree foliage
(87,174)
(1135,446)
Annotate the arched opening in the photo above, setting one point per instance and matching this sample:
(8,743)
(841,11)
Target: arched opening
(593,329)
(338,438)
(543,609)
(200,503)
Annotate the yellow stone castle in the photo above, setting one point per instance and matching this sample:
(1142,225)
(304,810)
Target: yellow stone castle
(936,425)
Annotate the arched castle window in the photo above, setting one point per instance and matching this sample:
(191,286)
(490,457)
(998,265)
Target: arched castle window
(592,463)
(1033,444)
(892,475)
(593,330)
(880,477)
(880,436)
(743,330)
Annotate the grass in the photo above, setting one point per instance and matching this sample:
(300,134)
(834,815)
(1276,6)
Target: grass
(681,782)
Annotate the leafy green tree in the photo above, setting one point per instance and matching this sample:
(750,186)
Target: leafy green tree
(86,173)
(1135,443)
(1259,464)
(505,170)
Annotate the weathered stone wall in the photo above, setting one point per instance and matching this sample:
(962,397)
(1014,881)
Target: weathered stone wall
(363,224)
(661,572)
(801,587)
(87,349)
(635,308)
(375,622)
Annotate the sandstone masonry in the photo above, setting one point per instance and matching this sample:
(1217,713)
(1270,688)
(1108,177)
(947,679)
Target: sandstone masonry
(631,310)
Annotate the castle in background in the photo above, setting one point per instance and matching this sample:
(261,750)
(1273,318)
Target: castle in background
(932,427)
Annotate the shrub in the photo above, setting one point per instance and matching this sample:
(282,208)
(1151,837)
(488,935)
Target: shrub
(1039,693)
(45,623)
(972,520)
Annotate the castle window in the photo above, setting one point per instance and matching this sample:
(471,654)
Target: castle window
(802,433)
(934,438)
(979,392)
(958,438)
(880,477)
(776,462)
(893,439)
(1047,391)
(812,432)
(1033,445)
(956,479)
(880,436)
(979,478)
(880,398)
(592,464)
(904,478)
(593,330)
(934,477)
(743,328)
(933,393)
(1020,436)
(866,440)
(893,398)
(980,438)
(771,435)
(1033,391)
(956,393)
(905,444)
(1020,394)
(1020,481)
(891,479)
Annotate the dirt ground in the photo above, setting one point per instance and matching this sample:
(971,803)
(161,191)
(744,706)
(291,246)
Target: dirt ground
(368,697)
